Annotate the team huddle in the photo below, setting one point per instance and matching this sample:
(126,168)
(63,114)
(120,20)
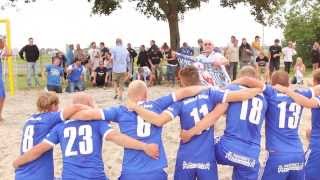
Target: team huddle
(247,102)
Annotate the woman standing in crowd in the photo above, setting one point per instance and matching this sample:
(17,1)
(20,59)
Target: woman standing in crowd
(94,54)
(262,64)
(143,57)
(172,64)
(245,53)
(288,53)
(315,54)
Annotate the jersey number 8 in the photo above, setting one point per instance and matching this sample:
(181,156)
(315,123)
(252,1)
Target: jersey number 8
(85,146)
(27,142)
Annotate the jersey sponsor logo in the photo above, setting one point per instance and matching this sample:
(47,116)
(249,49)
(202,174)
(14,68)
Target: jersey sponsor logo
(190,165)
(34,119)
(190,100)
(290,167)
(240,159)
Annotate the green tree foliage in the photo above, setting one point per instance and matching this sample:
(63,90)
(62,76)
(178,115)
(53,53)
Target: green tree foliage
(303,26)
(173,10)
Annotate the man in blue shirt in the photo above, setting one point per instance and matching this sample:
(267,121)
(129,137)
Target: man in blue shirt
(54,74)
(136,165)
(34,131)
(240,145)
(81,145)
(186,50)
(120,65)
(76,76)
(196,158)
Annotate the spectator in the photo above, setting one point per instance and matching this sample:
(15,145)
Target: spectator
(133,54)
(3,53)
(186,50)
(31,52)
(76,76)
(63,59)
(108,65)
(171,68)
(155,56)
(232,54)
(80,54)
(262,64)
(120,63)
(165,50)
(288,53)
(54,73)
(144,74)
(245,54)
(94,54)
(100,77)
(103,52)
(275,54)
(299,70)
(256,47)
(143,57)
(315,54)
(200,43)
(69,55)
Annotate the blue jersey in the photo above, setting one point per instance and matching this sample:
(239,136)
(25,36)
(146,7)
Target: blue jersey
(244,119)
(134,126)
(34,131)
(191,110)
(282,121)
(76,73)
(54,75)
(315,131)
(81,146)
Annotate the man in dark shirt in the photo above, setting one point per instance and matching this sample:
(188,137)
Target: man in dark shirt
(143,58)
(100,75)
(133,54)
(155,56)
(30,53)
(275,54)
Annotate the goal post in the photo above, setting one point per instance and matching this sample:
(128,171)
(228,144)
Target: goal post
(6,22)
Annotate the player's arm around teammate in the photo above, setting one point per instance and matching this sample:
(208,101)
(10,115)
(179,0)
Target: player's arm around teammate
(312,102)
(151,150)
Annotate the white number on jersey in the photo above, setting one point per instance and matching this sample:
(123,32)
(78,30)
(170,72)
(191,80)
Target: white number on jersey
(27,142)
(85,146)
(143,128)
(195,113)
(255,111)
(292,120)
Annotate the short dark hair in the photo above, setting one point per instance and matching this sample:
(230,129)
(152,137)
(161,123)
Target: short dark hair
(102,43)
(76,59)
(276,40)
(280,77)
(189,75)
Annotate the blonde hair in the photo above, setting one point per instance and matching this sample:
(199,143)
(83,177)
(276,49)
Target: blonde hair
(299,61)
(46,100)
(248,71)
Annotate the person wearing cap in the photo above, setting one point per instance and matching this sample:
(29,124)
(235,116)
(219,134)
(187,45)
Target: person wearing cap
(275,54)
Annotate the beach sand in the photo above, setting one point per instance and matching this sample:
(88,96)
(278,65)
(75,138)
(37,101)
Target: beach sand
(22,105)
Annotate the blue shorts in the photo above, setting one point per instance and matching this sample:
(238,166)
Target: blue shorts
(284,166)
(154,175)
(245,165)
(312,168)
(190,171)
(2,89)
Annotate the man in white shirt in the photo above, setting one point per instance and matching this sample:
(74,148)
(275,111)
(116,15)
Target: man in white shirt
(288,53)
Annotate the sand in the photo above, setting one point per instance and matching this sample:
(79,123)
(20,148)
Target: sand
(22,105)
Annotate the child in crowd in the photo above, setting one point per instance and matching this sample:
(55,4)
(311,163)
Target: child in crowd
(299,70)
(144,74)
(262,65)
(54,74)
(76,76)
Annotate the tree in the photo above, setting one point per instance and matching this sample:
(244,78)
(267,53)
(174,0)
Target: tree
(302,24)
(173,10)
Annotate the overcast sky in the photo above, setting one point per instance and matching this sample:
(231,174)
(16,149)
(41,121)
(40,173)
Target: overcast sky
(58,22)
